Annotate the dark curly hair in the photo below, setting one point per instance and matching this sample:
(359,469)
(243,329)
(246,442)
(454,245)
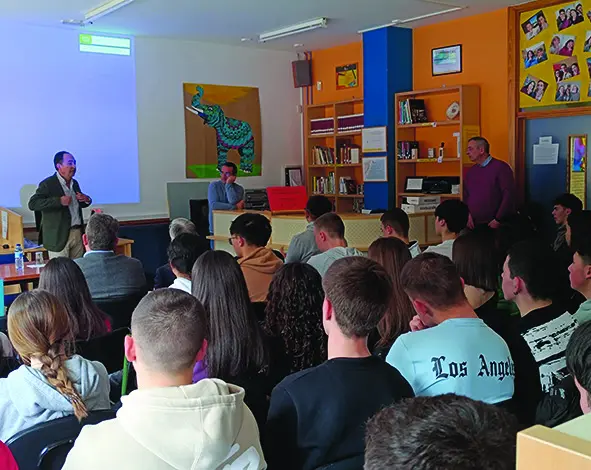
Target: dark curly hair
(294,314)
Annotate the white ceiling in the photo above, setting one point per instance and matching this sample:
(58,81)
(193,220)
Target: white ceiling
(227,21)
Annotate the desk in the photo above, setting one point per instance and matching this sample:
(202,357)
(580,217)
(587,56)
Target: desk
(360,229)
(123,248)
(12,276)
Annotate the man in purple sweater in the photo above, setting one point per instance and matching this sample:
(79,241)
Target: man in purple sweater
(489,186)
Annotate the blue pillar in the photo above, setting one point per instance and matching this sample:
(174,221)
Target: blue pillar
(387,69)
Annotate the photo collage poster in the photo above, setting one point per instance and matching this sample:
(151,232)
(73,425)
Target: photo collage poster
(555,45)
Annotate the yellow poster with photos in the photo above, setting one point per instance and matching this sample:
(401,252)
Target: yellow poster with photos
(555,45)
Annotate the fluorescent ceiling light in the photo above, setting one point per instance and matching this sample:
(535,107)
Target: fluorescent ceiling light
(412,20)
(98,12)
(105,9)
(294,29)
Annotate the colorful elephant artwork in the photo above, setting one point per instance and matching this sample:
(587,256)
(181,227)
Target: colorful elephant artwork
(232,133)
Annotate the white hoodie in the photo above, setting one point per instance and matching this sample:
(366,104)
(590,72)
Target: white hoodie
(201,426)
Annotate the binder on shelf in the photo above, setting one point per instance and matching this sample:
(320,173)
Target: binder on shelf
(322,126)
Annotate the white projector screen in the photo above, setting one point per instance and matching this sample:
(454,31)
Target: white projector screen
(53,97)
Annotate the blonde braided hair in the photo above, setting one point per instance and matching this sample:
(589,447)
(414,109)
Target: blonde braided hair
(39,328)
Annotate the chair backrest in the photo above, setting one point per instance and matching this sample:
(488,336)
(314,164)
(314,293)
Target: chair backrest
(107,349)
(120,309)
(7,258)
(46,445)
(199,210)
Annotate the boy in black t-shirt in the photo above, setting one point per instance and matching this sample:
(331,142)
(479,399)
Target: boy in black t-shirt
(317,417)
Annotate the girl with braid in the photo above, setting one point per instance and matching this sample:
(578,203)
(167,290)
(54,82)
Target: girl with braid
(53,382)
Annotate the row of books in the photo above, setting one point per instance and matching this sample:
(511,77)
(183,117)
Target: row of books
(324,184)
(352,122)
(322,126)
(412,111)
(407,150)
(349,123)
(346,155)
(419,204)
(347,185)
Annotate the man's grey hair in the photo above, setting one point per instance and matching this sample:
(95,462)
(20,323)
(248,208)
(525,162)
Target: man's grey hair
(181,225)
(101,232)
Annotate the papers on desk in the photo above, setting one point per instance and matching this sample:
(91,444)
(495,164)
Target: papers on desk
(35,266)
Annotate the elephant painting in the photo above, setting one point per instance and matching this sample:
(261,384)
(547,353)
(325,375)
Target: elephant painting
(231,133)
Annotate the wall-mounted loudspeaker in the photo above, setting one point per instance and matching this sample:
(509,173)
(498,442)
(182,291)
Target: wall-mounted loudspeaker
(302,73)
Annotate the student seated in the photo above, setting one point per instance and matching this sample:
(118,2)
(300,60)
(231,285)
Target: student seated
(236,351)
(52,383)
(564,205)
(250,234)
(395,223)
(317,416)
(164,276)
(580,270)
(303,245)
(578,363)
(293,317)
(183,251)
(450,349)
(63,278)
(169,422)
(108,274)
(477,263)
(529,280)
(392,253)
(442,432)
(451,217)
(329,232)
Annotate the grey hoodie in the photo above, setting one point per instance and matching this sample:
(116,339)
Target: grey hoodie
(27,398)
(323,261)
(201,426)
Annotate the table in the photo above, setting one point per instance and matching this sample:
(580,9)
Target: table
(12,276)
(123,248)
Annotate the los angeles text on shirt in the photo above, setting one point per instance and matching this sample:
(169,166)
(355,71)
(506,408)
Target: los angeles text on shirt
(444,369)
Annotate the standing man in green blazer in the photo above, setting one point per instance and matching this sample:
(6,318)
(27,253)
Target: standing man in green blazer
(60,201)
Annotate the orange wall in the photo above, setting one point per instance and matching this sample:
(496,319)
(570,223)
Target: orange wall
(485,63)
(324,63)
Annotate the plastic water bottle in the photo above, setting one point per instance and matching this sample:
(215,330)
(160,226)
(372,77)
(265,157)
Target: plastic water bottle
(19,257)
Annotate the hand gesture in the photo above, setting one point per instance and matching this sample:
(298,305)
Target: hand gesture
(231,179)
(416,324)
(494,224)
(66,200)
(82,197)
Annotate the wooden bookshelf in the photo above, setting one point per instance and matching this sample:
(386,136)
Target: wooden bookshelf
(431,134)
(333,139)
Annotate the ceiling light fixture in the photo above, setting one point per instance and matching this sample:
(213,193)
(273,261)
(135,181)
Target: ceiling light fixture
(413,19)
(294,29)
(98,12)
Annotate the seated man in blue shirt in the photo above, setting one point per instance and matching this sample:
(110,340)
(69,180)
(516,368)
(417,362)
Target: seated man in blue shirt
(450,349)
(225,194)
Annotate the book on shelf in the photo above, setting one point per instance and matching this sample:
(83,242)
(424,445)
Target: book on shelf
(418,208)
(324,184)
(412,111)
(322,126)
(407,150)
(323,155)
(348,154)
(422,200)
(347,185)
(349,123)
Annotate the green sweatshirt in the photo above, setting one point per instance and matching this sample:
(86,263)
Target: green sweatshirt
(584,313)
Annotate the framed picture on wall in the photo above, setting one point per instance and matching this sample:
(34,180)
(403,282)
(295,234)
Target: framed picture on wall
(577,167)
(375,169)
(446,60)
(347,76)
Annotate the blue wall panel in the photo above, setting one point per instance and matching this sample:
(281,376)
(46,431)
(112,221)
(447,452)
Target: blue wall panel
(387,64)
